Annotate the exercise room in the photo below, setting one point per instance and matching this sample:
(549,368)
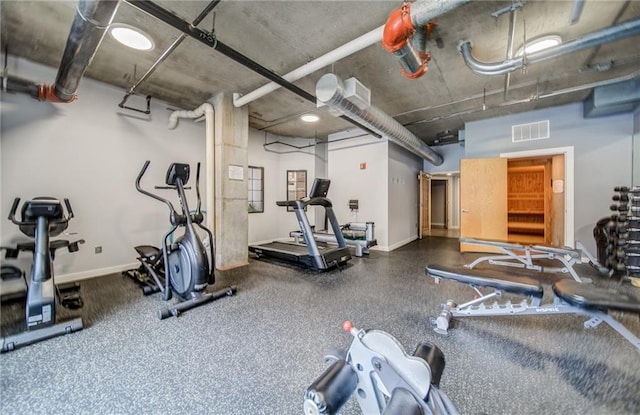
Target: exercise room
(320,207)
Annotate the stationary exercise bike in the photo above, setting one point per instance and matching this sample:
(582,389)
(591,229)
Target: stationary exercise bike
(181,267)
(387,381)
(42,218)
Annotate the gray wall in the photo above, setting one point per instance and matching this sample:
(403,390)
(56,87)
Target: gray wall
(602,149)
(451,153)
(635,181)
(90,151)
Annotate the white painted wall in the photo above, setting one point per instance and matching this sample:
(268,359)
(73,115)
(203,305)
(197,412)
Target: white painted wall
(368,186)
(602,149)
(276,222)
(404,168)
(91,151)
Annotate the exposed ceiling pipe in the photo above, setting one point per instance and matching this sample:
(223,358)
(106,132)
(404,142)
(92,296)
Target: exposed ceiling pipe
(168,52)
(407,21)
(212,41)
(610,34)
(89,26)
(330,91)
(576,12)
(207,110)
(578,88)
(335,55)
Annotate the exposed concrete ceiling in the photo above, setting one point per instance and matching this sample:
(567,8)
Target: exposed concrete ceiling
(283,35)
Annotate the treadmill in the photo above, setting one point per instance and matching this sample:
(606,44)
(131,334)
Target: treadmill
(310,254)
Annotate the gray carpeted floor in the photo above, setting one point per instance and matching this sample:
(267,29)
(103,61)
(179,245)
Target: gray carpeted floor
(256,353)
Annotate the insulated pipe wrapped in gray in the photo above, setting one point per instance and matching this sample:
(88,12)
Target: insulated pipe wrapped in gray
(330,91)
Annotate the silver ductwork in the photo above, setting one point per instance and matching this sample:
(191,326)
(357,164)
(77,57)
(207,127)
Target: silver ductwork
(330,92)
(90,24)
(612,99)
(610,34)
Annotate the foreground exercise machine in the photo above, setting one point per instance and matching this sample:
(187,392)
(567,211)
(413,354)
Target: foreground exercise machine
(523,256)
(42,218)
(570,297)
(388,381)
(181,267)
(359,235)
(309,254)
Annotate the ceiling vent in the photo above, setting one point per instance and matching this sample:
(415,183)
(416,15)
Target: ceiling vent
(528,132)
(356,93)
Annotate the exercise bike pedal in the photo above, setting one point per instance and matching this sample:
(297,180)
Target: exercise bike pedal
(69,296)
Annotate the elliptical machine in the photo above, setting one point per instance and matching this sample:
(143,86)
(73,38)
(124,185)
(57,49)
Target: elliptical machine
(181,267)
(42,217)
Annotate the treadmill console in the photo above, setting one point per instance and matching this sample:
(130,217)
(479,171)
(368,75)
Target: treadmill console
(319,188)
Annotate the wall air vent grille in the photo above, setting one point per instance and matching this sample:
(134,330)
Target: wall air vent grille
(528,132)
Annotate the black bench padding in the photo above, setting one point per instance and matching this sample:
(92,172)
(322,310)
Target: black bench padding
(515,285)
(624,298)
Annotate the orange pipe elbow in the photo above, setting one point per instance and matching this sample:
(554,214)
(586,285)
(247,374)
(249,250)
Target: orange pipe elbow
(398,29)
(48,93)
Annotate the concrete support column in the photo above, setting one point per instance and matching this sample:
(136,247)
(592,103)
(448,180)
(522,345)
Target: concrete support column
(230,182)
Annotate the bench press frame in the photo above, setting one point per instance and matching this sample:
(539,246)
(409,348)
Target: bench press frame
(531,305)
(567,256)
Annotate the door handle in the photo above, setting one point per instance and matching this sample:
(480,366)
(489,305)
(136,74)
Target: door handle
(465,210)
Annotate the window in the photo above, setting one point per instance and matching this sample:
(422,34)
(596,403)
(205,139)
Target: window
(296,185)
(256,189)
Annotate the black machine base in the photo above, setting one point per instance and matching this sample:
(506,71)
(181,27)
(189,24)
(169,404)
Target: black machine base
(198,300)
(26,338)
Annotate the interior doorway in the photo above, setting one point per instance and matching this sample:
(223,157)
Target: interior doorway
(439,204)
(539,208)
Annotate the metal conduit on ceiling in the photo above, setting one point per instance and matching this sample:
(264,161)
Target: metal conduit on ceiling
(610,34)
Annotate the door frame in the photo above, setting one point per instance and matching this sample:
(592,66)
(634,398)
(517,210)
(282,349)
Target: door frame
(568,152)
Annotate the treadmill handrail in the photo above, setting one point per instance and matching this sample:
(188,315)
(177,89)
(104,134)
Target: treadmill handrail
(302,203)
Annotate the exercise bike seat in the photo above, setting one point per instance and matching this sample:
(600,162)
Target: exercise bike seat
(147,251)
(599,298)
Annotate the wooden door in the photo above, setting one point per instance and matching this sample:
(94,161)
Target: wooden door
(483,201)
(424,227)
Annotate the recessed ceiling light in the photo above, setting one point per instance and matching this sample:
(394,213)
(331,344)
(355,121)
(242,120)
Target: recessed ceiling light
(541,43)
(131,37)
(310,118)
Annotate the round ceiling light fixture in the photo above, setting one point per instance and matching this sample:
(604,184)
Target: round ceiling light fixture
(310,118)
(541,43)
(131,37)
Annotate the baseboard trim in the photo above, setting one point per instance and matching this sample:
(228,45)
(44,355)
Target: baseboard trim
(84,275)
(394,246)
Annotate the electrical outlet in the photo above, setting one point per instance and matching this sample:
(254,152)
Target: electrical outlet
(98,249)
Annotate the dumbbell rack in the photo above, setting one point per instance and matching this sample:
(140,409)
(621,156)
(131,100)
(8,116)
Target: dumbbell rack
(623,250)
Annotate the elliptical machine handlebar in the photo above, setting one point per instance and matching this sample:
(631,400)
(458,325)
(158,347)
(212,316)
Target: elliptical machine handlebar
(147,193)
(12,212)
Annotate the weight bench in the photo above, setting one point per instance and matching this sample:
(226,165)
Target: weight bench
(523,256)
(570,297)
